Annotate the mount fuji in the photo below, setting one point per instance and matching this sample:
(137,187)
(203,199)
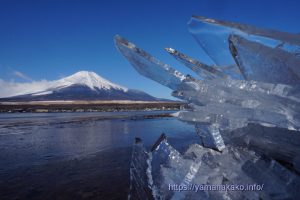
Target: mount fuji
(83,85)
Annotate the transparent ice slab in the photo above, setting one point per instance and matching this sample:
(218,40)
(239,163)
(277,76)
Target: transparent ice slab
(139,182)
(204,71)
(261,63)
(212,35)
(277,143)
(149,66)
(214,93)
(285,37)
(202,166)
(230,117)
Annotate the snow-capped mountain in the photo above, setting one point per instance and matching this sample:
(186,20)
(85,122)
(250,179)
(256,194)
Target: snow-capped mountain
(89,79)
(82,85)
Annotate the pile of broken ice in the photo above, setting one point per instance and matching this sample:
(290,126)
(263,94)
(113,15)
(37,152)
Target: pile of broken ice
(245,108)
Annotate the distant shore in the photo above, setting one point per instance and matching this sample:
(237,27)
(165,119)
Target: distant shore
(87,106)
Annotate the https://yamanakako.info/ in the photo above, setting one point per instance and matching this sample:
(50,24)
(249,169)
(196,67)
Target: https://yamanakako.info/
(221,187)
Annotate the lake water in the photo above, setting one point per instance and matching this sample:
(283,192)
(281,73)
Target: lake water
(77,155)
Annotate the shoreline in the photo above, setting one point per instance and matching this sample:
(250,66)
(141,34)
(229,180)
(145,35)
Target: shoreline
(80,119)
(87,106)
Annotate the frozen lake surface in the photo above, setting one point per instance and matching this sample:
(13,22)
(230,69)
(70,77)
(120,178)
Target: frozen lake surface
(77,155)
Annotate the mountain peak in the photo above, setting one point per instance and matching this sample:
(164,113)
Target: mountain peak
(83,85)
(85,74)
(91,80)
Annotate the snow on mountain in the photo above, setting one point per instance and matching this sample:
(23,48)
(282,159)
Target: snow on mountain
(89,79)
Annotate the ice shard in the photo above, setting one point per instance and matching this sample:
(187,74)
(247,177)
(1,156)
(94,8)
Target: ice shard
(213,40)
(253,30)
(217,92)
(139,182)
(277,143)
(204,71)
(212,35)
(165,154)
(261,63)
(149,66)
(232,117)
(210,136)
(236,173)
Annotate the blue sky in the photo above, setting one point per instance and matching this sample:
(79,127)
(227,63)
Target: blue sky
(50,39)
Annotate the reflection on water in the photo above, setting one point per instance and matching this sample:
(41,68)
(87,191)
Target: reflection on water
(75,155)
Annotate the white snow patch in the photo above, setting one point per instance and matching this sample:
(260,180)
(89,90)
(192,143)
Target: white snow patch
(90,79)
(42,93)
